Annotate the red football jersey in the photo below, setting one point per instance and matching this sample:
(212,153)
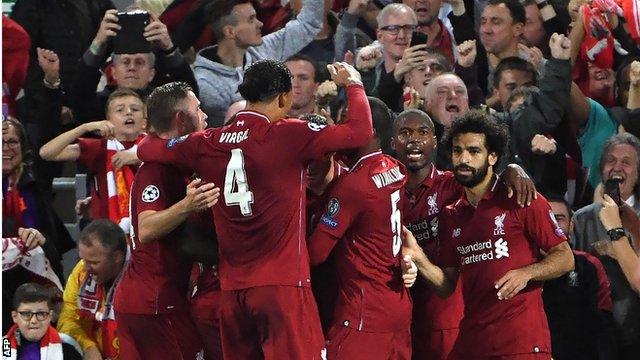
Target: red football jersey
(260,167)
(485,243)
(157,277)
(420,215)
(363,218)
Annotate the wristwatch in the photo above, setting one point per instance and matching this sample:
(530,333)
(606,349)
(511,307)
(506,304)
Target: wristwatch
(617,233)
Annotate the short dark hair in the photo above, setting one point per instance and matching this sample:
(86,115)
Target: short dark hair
(264,80)
(163,102)
(382,118)
(302,57)
(31,293)
(516,9)
(415,113)
(107,233)
(622,139)
(514,63)
(220,14)
(479,122)
(441,58)
(552,197)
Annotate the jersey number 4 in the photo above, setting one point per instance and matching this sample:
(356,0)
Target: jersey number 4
(236,188)
(396,222)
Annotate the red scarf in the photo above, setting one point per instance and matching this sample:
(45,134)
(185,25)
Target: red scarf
(119,184)
(50,344)
(97,306)
(631,10)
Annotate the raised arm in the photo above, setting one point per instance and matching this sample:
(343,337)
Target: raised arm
(181,152)
(296,34)
(61,148)
(357,129)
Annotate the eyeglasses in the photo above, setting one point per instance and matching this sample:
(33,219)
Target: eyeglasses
(11,143)
(28,315)
(395,29)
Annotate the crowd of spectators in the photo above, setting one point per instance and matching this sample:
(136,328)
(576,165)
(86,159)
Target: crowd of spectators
(563,76)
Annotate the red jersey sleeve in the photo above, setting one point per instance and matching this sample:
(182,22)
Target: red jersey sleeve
(541,226)
(152,190)
(342,209)
(182,151)
(91,151)
(312,141)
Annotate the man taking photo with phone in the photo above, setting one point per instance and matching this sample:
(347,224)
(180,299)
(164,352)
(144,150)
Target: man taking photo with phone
(619,162)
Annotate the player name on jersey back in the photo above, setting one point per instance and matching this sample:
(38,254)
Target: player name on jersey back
(388,177)
(235,137)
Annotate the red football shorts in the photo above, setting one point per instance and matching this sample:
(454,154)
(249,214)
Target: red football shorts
(164,336)
(434,344)
(347,343)
(270,322)
(530,356)
(205,312)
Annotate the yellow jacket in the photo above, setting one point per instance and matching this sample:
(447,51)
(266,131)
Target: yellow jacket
(81,323)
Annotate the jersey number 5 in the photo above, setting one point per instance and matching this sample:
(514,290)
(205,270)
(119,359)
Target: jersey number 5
(396,222)
(236,188)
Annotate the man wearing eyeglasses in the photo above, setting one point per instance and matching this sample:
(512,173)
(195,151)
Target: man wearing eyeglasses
(32,335)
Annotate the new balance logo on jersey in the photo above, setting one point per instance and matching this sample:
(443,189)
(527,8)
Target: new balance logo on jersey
(501,248)
(387,177)
(456,232)
(234,137)
(499,222)
(432,201)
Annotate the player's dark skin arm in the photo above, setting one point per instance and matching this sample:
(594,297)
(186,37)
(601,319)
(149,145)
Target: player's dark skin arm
(519,182)
(559,260)
(154,224)
(441,280)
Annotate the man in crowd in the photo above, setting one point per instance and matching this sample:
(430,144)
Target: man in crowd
(620,160)
(578,303)
(131,70)
(304,83)
(87,313)
(152,313)
(493,242)
(266,311)
(219,69)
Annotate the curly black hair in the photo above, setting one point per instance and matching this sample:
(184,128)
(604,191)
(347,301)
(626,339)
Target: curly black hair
(265,79)
(479,122)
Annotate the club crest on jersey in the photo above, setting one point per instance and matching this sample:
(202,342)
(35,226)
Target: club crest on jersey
(558,231)
(150,194)
(499,222)
(315,127)
(432,201)
(176,140)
